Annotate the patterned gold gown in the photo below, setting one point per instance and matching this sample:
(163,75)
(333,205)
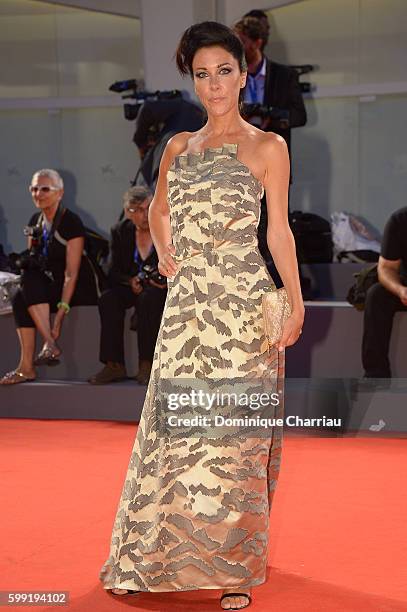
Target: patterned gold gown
(194,511)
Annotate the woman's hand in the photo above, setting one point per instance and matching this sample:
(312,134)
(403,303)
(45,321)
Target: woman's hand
(291,331)
(57,325)
(166,265)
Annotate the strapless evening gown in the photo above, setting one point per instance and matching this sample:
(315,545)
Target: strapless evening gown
(194,510)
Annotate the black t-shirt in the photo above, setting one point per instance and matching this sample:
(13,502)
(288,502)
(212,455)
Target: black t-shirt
(394,243)
(70,226)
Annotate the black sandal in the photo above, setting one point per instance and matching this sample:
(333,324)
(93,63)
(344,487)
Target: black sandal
(237,595)
(128,592)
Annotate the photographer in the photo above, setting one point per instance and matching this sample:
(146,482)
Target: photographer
(161,119)
(55,276)
(269,83)
(274,86)
(135,281)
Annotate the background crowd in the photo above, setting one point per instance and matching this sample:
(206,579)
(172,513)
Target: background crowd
(58,273)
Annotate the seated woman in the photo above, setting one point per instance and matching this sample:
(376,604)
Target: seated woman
(55,276)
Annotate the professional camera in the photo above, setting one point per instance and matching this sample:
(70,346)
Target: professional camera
(149,272)
(131,109)
(279,117)
(270,112)
(304,69)
(33,259)
(157,116)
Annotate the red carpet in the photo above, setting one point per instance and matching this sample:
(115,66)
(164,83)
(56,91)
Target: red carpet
(338,525)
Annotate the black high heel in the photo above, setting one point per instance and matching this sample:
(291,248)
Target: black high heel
(237,595)
(128,592)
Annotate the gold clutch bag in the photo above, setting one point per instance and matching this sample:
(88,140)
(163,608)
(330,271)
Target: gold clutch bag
(276,310)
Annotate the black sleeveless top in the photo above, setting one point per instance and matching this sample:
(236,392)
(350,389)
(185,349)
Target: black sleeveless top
(69,227)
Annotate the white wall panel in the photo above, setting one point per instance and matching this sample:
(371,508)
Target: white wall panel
(383,40)
(352,153)
(319,32)
(48,50)
(383,157)
(325,158)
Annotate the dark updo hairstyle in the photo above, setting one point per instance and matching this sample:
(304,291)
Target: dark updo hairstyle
(208,34)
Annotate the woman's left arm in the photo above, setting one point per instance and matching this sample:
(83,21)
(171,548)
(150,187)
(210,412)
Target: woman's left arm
(280,239)
(74,252)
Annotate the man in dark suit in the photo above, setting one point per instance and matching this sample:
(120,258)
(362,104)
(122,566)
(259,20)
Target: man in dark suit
(270,84)
(132,251)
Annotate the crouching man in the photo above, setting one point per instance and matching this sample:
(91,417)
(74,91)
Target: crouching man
(135,282)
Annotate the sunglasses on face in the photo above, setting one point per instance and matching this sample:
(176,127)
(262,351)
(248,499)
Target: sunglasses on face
(130,209)
(42,188)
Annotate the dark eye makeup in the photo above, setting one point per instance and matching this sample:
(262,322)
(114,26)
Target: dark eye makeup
(201,74)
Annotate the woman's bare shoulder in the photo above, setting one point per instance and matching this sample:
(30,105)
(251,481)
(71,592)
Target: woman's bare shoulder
(178,143)
(260,150)
(267,142)
(273,144)
(258,144)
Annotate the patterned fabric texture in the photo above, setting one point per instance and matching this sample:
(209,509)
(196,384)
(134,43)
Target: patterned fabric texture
(194,510)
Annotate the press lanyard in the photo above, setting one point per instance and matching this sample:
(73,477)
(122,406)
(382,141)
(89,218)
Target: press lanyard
(49,230)
(45,240)
(137,257)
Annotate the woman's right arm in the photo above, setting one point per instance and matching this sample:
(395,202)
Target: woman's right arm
(159,212)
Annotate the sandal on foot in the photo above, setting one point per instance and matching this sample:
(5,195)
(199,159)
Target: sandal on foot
(15,378)
(48,357)
(128,592)
(237,595)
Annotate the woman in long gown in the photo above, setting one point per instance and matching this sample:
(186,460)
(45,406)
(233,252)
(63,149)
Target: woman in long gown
(194,510)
